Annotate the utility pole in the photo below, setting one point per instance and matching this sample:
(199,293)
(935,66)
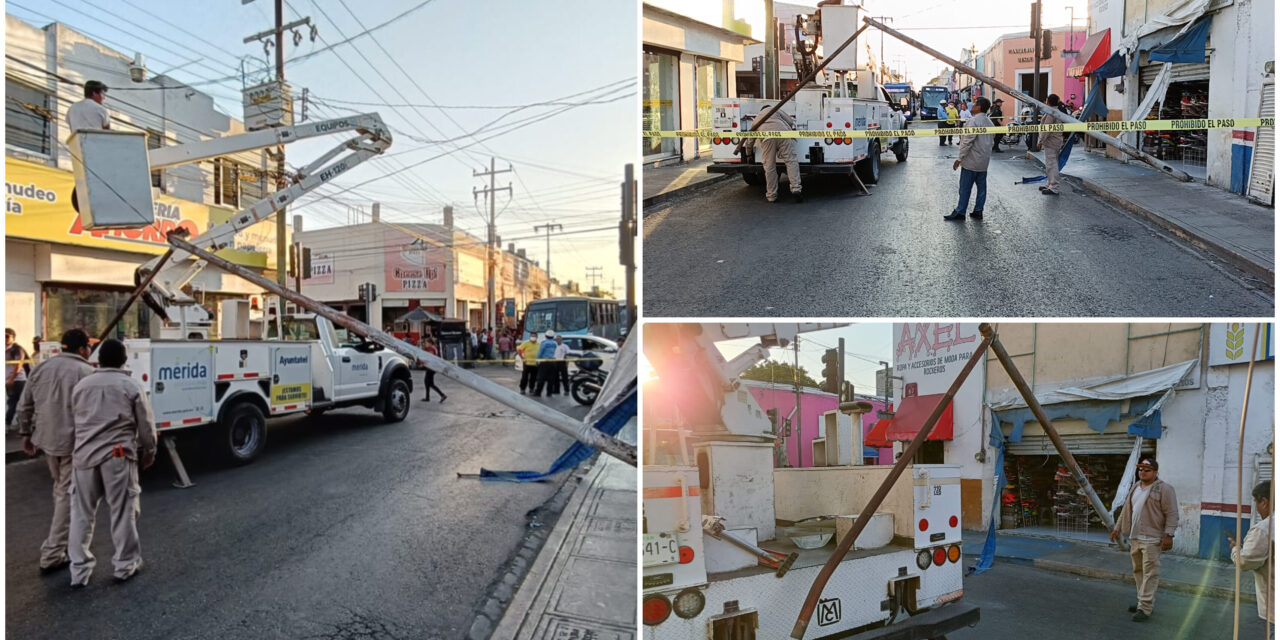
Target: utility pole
(550,227)
(795,424)
(282,247)
(594,274)
(626,240)
(1035,79)
(840,365)
(490,193)
(881,61)
(769,66)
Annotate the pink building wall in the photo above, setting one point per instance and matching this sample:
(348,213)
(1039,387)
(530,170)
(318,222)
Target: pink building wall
(1012,55)
(813,404)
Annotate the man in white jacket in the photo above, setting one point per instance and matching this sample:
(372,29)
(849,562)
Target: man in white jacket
(1254,555)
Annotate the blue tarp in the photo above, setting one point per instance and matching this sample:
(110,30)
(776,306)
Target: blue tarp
(988,557)
(610,424)
(1189,47)
(1112,68)
(1148,427)
(1093,106)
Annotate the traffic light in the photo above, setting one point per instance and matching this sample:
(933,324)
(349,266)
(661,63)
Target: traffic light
(368,292)
(831,371)
(1046,44)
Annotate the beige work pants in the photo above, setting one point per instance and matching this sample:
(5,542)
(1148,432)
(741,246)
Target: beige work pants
(1051,166)
(773,151)
(54,550)
(1146,571)
(117,481)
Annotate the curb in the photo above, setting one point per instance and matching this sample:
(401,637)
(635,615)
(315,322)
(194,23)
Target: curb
(667,196)
(1122,576)
(1189,235)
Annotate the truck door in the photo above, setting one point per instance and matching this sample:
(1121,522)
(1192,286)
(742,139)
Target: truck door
(181,384)
(290,378)
(359,373)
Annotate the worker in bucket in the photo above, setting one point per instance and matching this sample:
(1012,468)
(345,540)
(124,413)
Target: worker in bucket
(1149,518)
(89,113)
(115,433)
(775,150)
(46,423)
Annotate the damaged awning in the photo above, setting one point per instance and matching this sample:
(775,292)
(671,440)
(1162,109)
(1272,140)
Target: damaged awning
(907,420)
(1186,48)
(1099,402)
(1095,51)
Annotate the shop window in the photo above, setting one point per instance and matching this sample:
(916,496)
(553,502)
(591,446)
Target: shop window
(28,119)
(236,184)
(661,101)
(252,185)
(155,140)
(91,308)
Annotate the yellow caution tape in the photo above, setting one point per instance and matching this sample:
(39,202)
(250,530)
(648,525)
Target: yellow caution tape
(923,131)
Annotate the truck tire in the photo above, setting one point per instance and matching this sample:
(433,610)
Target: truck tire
(752,179)
(900,151)
(243,431)
(869,168)
(395,407)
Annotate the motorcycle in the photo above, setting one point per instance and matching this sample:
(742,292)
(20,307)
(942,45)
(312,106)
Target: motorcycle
(586,382)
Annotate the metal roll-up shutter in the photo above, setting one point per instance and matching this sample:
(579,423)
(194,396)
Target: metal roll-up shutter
(1262,176)
(1179,72)
(1080,445)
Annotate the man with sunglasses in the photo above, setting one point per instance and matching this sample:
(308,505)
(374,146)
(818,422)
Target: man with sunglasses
(1149,518)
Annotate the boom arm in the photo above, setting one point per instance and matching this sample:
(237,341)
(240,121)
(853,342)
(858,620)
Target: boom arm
(165,291)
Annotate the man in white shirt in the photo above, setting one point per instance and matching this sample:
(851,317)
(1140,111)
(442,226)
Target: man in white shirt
(1254,554)
(89,113)
(562,364)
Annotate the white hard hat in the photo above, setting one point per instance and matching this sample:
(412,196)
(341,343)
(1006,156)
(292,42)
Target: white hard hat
(550,333)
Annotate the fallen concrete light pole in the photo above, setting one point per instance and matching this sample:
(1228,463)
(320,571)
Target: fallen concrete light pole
(1065,117)
(580,431)
(1030,398)
(820,582)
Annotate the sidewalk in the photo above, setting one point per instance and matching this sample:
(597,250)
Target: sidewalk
(583,582)
(1196,576)
(665,183)
(1225,224)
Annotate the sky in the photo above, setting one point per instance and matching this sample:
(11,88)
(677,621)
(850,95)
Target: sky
(865,344)
(946,25)
(567,158)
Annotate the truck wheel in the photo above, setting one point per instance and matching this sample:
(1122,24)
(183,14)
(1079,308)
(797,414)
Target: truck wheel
(244,433)
(869,168)
(900,152)
(581,394)
(753,179)
(395,406)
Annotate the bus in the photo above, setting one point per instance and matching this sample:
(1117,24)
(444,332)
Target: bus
(902,95)
(931,97)
(574,316)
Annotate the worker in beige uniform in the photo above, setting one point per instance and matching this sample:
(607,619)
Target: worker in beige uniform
(1254,554)
(1052,142)
(775,150)
(1149,518)
(114,432)
(46,424)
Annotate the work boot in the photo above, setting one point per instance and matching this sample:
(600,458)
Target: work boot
(799,197)
(1141,616)
(1133,608)
(954,215)
(57,566)
(976,215)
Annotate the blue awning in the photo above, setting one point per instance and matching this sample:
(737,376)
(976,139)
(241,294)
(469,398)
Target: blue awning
(1189,47)
(1112,68)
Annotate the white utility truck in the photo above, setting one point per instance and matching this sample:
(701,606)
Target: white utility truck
(841,98)
(731,545)
(233,386)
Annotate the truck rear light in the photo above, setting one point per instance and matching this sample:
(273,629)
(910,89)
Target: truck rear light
(848,124)
(689,603)
(656,609)
(733,141)
(735,125)
(686,555)
(924,524)
(144,377)
(839,141)
(953,521)
(715,141)
(828,125)
(939,556)
(953,553)
(848,140)
(923,559)
(828,140)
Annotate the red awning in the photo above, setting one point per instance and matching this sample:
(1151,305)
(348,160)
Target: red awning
(875,437)
(912,413)
(1096,50)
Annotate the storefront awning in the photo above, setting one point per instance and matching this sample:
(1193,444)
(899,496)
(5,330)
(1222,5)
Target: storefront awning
(875,437)
(1112,68)
(1096,50)
(1188,47)
(911,415)
(418,315)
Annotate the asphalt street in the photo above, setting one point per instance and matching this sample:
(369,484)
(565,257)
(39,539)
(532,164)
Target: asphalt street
(724,251)
(345,528)
(1020,602)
